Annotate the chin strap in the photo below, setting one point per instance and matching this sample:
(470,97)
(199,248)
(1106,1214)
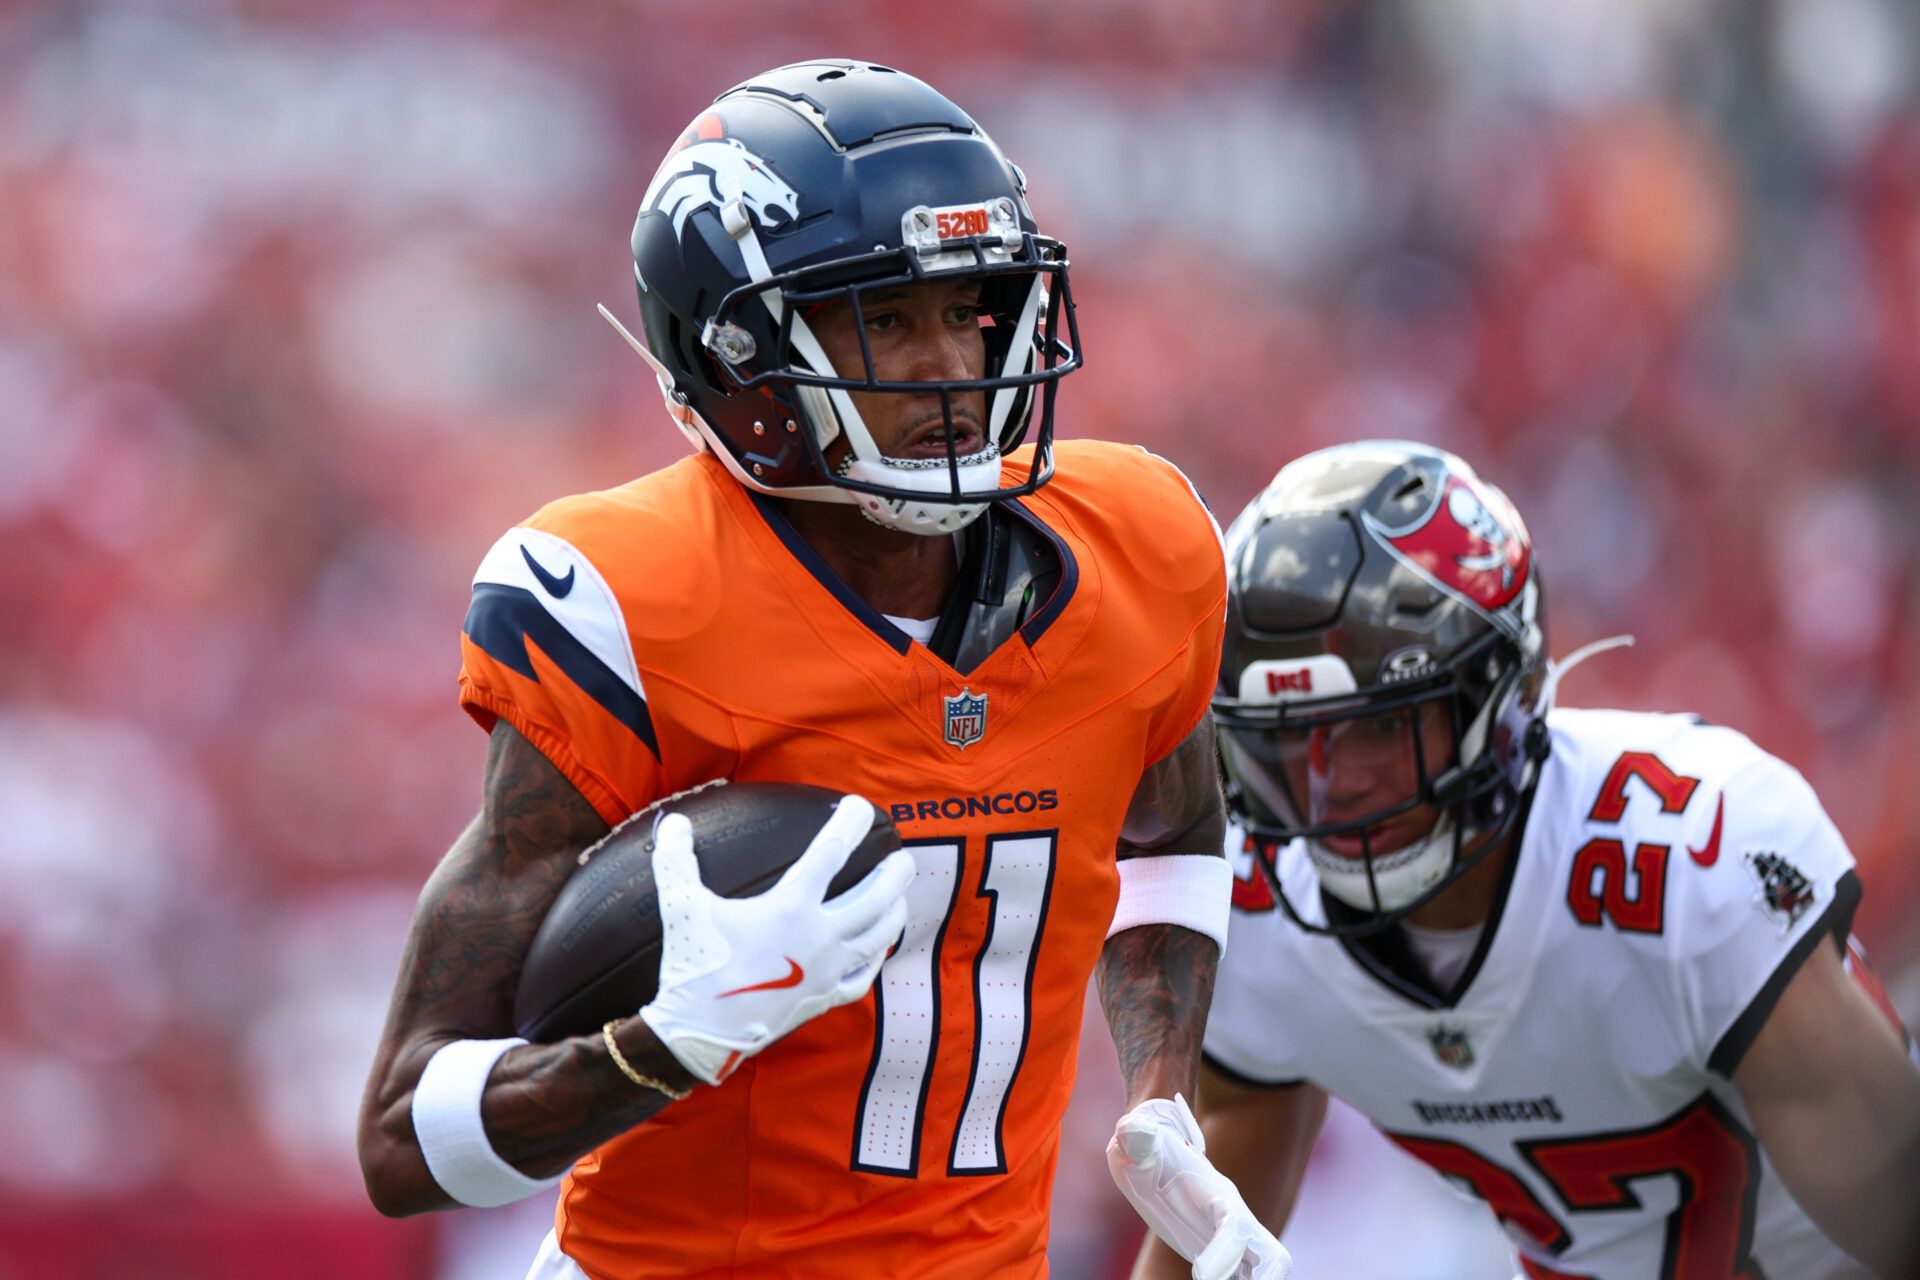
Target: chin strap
(1557,669)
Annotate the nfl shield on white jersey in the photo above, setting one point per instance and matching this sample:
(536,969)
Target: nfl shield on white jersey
(1671,879)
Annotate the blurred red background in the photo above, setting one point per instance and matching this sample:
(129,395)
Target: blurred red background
(296,314)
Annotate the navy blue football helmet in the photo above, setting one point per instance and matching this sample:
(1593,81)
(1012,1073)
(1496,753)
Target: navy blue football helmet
(823,182)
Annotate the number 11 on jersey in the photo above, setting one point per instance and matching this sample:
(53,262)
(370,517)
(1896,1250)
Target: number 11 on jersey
(1016,878)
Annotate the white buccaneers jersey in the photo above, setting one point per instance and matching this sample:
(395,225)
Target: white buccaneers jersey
(1671,879)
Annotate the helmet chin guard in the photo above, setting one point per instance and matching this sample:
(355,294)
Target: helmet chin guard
(1387,881)
(978,472)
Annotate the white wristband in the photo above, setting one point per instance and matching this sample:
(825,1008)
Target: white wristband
(1192,890)
(446,1120)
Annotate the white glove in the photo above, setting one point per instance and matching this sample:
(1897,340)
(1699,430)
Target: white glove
(1159,1159)
(736,974)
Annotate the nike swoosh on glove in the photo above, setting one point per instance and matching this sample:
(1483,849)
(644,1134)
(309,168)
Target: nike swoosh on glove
(736,974)
(1159,1159)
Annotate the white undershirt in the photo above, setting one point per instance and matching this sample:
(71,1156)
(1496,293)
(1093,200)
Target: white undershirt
(919,629)
(1442,952)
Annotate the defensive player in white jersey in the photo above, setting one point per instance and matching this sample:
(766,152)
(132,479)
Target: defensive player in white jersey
(1593,967)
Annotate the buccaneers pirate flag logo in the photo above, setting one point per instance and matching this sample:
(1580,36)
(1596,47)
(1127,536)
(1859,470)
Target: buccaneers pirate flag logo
(1469,543)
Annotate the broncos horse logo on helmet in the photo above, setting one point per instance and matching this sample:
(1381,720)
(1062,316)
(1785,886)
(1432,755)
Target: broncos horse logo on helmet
(714,172)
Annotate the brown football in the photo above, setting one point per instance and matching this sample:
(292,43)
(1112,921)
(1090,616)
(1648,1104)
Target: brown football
(597,954)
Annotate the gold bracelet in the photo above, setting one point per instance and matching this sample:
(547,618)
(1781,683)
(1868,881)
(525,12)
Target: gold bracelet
(626,1068)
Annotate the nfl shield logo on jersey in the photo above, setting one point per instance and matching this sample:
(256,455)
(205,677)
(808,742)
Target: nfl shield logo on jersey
(1450,1045)
(966,718)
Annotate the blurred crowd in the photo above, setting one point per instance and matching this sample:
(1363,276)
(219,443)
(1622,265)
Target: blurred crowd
(296,314)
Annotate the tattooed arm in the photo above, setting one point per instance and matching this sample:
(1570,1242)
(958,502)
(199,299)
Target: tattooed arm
(1156,983)
(1156,980)
(545,1105)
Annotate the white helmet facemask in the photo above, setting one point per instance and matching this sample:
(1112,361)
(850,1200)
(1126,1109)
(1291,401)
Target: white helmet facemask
(832,412)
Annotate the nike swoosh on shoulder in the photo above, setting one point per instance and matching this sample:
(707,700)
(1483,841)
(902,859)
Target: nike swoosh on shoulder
(556,587)
(795,974)
(1709,853)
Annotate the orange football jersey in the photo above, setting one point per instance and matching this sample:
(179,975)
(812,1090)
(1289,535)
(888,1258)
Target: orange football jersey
(652,637)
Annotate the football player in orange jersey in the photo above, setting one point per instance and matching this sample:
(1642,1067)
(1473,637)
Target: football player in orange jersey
(861,579)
